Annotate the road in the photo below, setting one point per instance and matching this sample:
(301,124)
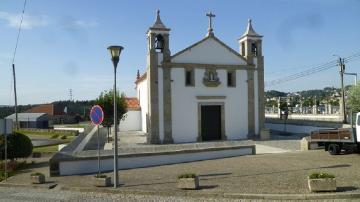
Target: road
(11,194)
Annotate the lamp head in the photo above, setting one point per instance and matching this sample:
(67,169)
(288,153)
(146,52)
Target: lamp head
(115,52)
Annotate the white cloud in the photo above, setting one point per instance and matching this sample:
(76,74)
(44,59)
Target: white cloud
(29,21)
(72,24)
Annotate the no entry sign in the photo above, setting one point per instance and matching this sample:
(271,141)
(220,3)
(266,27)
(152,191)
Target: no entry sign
(96,115)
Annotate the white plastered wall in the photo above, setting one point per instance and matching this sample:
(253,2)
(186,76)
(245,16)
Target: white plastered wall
(185,104)
(142,95)
(209,52)
(132,121)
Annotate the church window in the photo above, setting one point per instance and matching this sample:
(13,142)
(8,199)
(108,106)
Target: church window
(159,43)
(189,77)
(254,49)
(231,79)
(243,48)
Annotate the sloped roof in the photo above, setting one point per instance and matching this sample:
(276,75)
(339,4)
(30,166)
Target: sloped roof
(207,38)
(49,109)
(29,117)
(250,31)
(140,79)
(132,103)
(158,23)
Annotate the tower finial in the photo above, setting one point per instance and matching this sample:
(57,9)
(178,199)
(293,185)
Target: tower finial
(158,23)
(210,29)
(138,75)
(158,15)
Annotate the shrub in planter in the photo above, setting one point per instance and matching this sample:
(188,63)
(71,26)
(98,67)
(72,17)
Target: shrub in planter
(188,181)
(101,180)
(321,182)
(38,178)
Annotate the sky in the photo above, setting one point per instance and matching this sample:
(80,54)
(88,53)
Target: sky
(63,43)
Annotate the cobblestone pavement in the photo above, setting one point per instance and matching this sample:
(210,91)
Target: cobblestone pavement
(11,194)
(284,173)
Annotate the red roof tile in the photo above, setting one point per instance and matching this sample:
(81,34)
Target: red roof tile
(132,103)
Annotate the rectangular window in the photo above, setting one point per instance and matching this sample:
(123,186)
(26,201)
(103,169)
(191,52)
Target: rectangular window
(231,79)
(189,77)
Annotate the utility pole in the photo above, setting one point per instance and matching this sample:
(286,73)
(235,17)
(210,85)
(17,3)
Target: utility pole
(342,101)
(16,113)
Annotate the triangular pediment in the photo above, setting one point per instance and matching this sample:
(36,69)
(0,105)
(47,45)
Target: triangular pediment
(209,50)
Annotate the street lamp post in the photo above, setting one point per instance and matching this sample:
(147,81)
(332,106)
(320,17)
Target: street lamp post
(353,74)
(115,57)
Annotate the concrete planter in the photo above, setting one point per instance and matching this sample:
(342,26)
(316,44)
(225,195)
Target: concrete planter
(322,184)
(188,183)
(38,179)
(102,181)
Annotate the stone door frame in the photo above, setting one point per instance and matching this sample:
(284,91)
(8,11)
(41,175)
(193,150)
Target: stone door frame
(222,112)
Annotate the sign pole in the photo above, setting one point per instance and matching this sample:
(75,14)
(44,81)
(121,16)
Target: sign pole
(97,117)
(98,147)
(5,168)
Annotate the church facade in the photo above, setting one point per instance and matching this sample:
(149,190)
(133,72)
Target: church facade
(207,91)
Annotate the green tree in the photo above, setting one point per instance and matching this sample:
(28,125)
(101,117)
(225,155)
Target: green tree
(354,98)
(105,100)
(19,146)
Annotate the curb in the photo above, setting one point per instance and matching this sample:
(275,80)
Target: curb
(189,193)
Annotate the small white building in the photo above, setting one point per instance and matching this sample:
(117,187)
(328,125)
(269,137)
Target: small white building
(208,91)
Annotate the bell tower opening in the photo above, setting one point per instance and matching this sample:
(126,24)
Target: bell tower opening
(254,49)
(159,43)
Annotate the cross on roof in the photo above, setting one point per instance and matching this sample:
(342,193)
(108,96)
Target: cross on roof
(210,15)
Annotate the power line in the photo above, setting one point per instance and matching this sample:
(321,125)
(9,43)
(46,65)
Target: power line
(312,70)
(19,30)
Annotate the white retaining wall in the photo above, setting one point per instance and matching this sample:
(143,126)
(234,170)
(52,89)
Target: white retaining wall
(90,166)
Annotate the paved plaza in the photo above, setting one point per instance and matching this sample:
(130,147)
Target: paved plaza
(279,173)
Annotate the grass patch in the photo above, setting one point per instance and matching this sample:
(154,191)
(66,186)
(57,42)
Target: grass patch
(44,133)
(75,126)
(46,149)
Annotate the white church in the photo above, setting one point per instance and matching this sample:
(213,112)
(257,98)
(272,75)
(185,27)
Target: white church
(205,92)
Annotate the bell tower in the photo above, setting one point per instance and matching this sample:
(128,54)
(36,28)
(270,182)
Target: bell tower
(251,49)
(158,55)
(250,42)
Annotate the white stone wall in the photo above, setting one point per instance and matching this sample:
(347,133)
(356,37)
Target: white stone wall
(142,95)
(90,166)
(132,121)
(185,104)
(161,104)
(256,99)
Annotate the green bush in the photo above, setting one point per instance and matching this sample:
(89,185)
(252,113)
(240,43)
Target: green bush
(318,175)
(100,176)
(19,146)
(187,175)
(37,174)
(64,137)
